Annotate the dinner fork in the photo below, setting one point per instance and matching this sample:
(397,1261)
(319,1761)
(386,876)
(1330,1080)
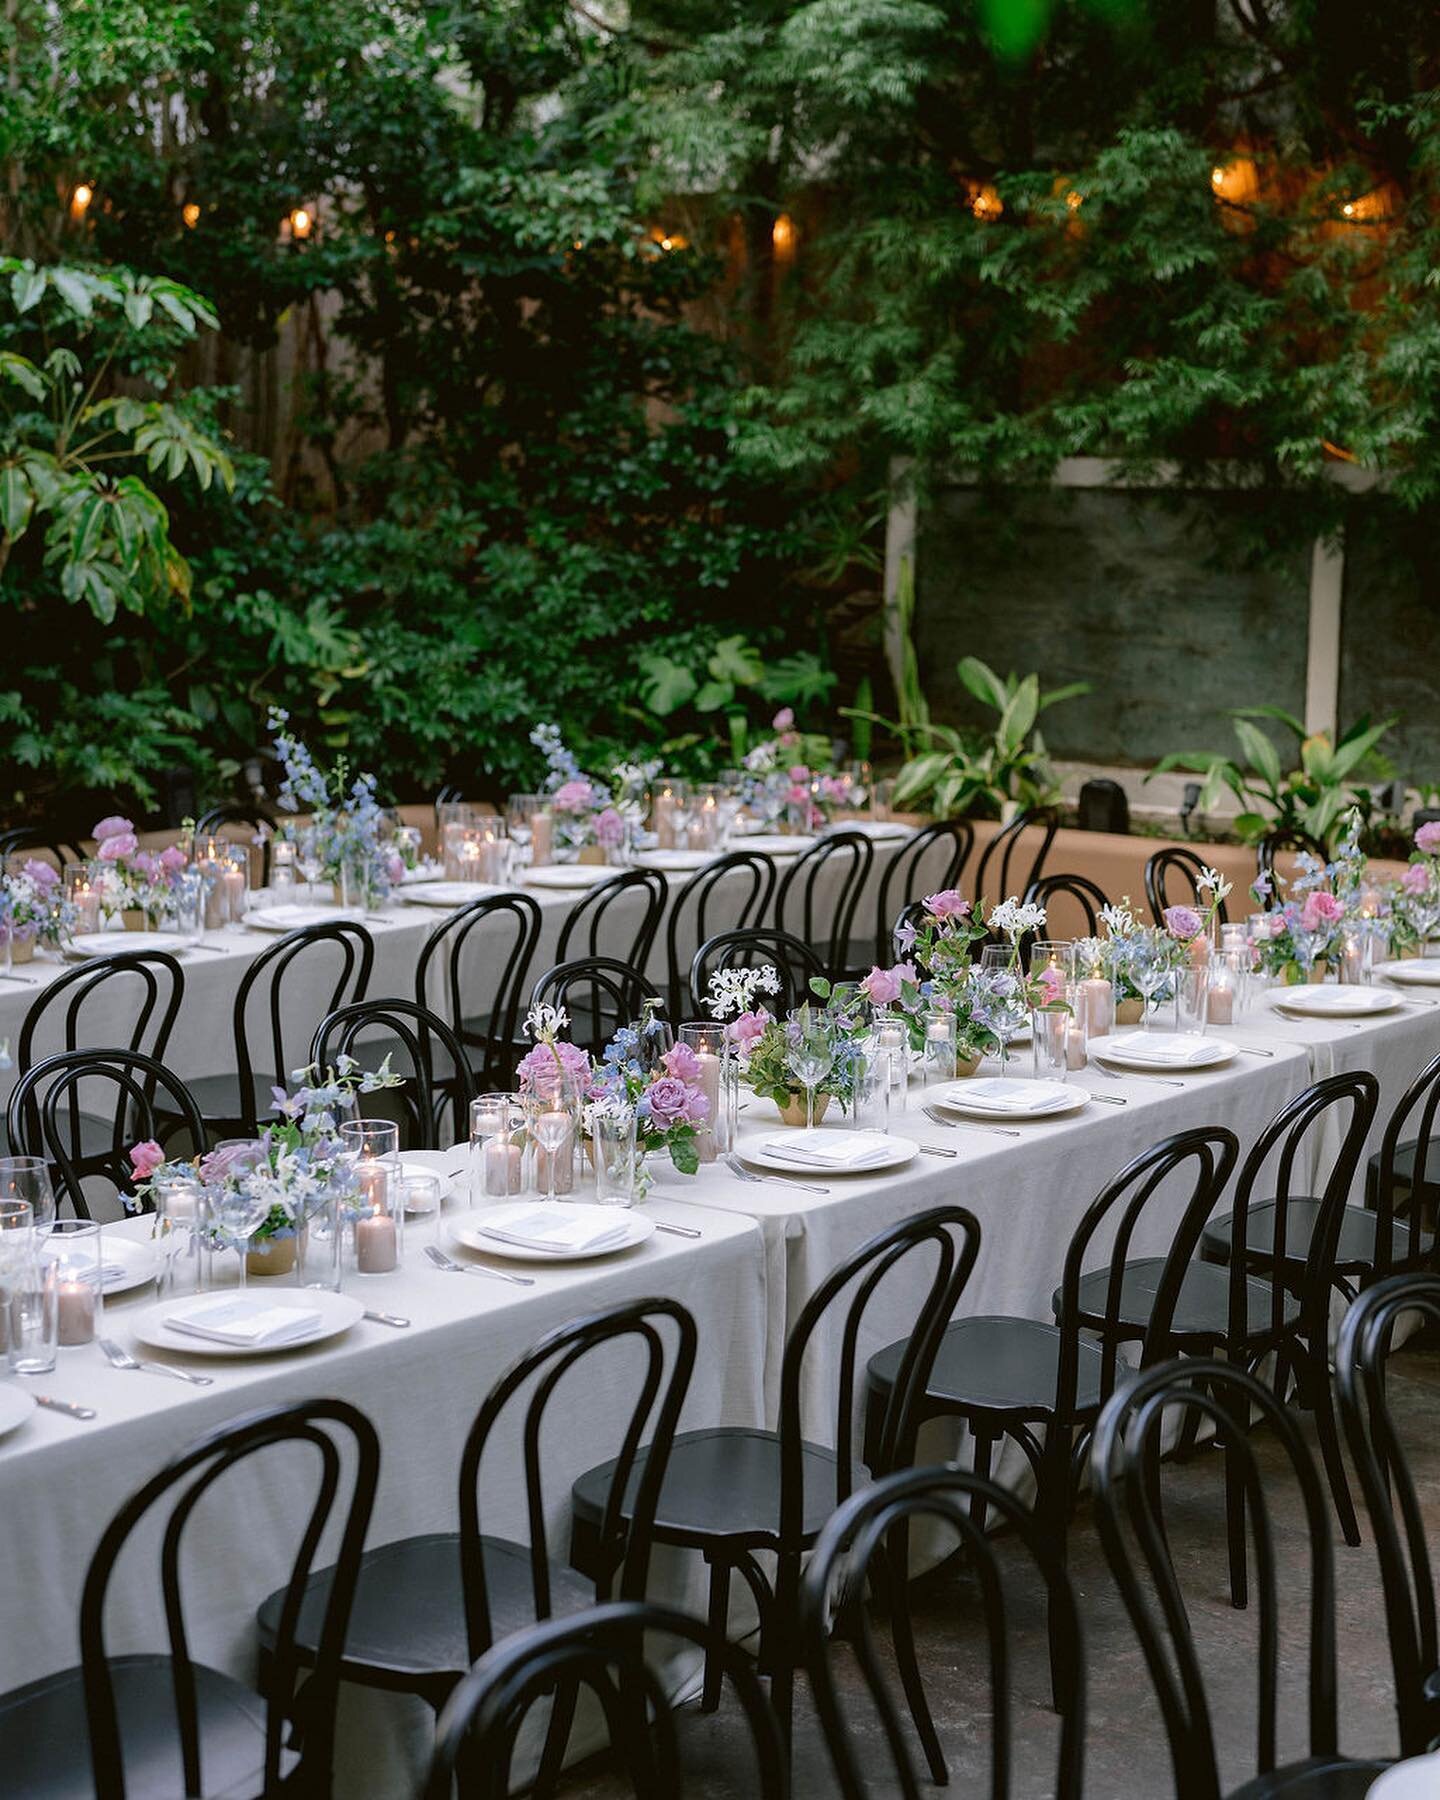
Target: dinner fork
(741,1173)
(451,1267)
(936,1117)
(1111,1075)
(122,1359)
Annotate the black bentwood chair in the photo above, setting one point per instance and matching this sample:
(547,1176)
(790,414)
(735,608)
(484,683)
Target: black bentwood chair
(1287,840)
(599,994)
(425,1051)
(876,1523)
(427,1607)
(1042,1385)
(1402,1545)
(235,1105)
(1373,1240)
(1000,853)
(1077,894)
(795,963)
(602,1650)
(52,1113)
(496,933)
(1136,1539)
(259,825)
(21,839)
(163,1724)
(942,849)
(733,1491)
(605,922)
(746,876)
(820,892)
(1171,867)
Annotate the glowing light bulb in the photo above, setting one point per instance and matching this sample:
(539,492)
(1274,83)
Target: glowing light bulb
(190,213)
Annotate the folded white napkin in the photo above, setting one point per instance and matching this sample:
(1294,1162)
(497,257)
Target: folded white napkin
(832,1149)
(244,1322)
(561,1234)
(998,1095)
(1166,1047)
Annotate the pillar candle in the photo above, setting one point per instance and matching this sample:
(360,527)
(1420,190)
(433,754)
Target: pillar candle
(542,840)
(375,1244)
(76,1316)
(214,890)
(87,910)
(235,886)
(1075,1046)
(709,1085)
(664,820)
(1099,1000)
(492,859)
(502,1167)
(1220,1006)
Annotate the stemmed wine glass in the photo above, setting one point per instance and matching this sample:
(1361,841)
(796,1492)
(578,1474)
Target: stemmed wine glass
(1150,955)
(27,1178)
(311,860)
(1007,1004)
(810,1057)
(550,1117)
(520,812)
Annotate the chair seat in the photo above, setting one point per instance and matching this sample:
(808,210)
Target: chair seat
(45,1741)
(1355,1250)
(219,1097)
(408,1619)
(1202,1311)
(722,1487)
(996,1364)
(1317,1778)
(1405,1168)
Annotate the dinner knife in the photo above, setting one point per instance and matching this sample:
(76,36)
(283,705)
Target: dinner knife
(64,1406)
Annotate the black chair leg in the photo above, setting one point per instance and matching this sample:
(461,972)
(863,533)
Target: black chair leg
(1052,1507)
(719,1621)
(902,1638)
(1323,1402)
(984,1447)
(1234,1509)
(557,1740)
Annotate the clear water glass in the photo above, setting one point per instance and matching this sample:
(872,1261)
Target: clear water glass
(612,1139)
(1008,1004)
(496,1155)
(27,1179)
(939,1028)
(180,1232)
(1049,1035)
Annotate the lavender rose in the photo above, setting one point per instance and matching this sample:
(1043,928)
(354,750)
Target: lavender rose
(1183,923)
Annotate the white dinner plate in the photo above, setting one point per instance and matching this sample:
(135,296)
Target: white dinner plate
(1008,1097)
(1170,1050)
(106,943)
(1322,1002)
(896,1152)
(682,859)
(568,875)
(16,1406)
(1417,1778)
(468,1230)
(423,871)
(136,1258)
(291,918)
(338,1312)
(1418,971)
(448,893)
(774,844)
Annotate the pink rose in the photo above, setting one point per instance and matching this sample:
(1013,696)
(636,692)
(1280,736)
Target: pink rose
(1320,909)
(949,903)
(172,859)
(747,1030)
(146,1158)
(146,862)
(394,868)
(41,874)
(669,1101)
(1183,923)
(784,720)
(1416,879)
(682,1063)
(1051,983)
(799,773)
(572,796)
(882,987)
(113,827)
(118,847)
(539,1065)
(1427,838)
(609,828)
(1279,925)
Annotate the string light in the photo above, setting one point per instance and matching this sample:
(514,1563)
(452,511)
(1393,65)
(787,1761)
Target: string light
(782,236)
(985,201)
(302,222)
(80,200)
(190,213)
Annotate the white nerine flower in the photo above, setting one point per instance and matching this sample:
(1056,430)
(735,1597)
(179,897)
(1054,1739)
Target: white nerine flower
(1015,919)
(733,991)
(1212,882)
(545,1023)
(1118,920)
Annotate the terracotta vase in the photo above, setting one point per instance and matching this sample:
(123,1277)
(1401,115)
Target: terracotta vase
(133,918)
(1129,1012)
(793,1112)
(966,1066)
(592,854)
(277,1258)
(22,949)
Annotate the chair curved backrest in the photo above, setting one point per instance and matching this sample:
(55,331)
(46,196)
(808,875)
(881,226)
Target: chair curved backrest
(622,1541)
(430,1085)
(793,961)
(586,923)
(993,880)
(20,838)
(490,1035)
(944,848)
(1205,1156)
(601,1650)
(1176,865)
(47,1112)
(1079,891)
(746,875)
(318,1424)
(267,975)
(832,1593)
(1402,1543)
(1298,1138)
(599,993)
(1286,840)
(1409,1129)
(259,824)
(925,1234)
(820,892)
(145,987)
(1124,1465)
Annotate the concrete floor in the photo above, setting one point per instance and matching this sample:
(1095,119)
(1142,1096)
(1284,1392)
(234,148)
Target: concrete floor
(1126,1753)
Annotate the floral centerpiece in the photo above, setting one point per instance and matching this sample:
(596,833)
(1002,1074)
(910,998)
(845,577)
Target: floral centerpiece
(788,780)
(587,820)
(1414,900)
(296,1161)
(663,1096)
(132,882)
(351,832)
(1140,961)
(1305,932)
(33,909)
(1191,926)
